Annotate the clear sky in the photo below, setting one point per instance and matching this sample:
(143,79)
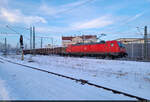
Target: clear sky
(56,18)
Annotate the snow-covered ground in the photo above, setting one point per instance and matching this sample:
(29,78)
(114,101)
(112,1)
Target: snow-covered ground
(128,76)
(21,83)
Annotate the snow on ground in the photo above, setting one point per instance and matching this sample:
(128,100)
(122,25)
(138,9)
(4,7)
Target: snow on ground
(127,76)
(21,83)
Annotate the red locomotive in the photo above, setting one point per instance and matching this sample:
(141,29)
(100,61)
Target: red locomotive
(102,49)
(113,49)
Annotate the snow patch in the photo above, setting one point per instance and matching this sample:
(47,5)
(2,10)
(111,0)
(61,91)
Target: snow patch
(3,91)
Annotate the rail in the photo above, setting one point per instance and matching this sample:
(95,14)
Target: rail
(81,80)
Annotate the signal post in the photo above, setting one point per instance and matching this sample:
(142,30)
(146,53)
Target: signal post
(21,46)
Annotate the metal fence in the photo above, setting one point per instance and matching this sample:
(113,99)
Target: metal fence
(136,50)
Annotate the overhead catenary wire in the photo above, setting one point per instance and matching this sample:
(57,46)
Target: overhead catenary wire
(16,32)
(128,21)
(75,7)
(24,35)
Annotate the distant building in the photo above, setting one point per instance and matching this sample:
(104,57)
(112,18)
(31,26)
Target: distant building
(131,40)
(51,46)
(68,40)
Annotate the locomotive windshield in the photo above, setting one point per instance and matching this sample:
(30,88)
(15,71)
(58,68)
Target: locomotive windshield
(121,45)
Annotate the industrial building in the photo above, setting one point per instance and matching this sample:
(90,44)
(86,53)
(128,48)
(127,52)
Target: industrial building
(67,40)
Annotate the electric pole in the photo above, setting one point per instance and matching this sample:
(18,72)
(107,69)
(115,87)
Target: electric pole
(52,46)
(33,37)
(30,38)
(145,43)
(5,53)
(33,40)
(41,42)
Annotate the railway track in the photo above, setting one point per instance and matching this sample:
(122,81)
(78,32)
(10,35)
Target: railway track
(82,81)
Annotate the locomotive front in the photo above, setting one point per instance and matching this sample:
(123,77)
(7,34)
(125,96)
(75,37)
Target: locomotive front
(122,50)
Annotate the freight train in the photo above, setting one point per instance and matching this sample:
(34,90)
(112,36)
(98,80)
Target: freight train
(112,49)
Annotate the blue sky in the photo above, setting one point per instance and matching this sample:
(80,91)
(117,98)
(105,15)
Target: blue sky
(56,18)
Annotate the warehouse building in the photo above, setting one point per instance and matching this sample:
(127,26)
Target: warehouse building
(132,40)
